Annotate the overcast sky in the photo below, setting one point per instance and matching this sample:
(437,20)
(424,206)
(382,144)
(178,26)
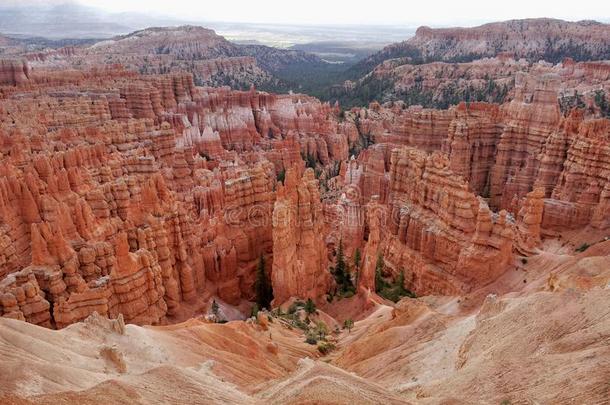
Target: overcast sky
(361,12)
(419,12)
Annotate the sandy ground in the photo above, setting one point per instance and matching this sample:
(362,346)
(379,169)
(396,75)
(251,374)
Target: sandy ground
(529,345)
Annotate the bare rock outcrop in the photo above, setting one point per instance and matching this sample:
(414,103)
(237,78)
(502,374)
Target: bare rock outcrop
(14,72)
(300,267)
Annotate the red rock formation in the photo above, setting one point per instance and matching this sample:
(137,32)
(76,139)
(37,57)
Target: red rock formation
(108,203)
(471,143)
(300,267)
(532,116)
(421,128)
(209,143)
(530,38)
(529,220)
(367,176)
(129,194)
(442,237)
(376,220)
(585,171)
(13,72)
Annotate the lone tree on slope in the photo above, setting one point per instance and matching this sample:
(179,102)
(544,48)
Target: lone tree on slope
(262,286)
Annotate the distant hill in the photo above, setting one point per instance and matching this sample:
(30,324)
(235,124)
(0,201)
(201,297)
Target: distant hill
(411,70)
(190,42)
(532,39)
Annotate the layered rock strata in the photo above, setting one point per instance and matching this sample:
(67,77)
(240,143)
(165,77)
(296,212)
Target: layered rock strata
(300,266)
(129,194)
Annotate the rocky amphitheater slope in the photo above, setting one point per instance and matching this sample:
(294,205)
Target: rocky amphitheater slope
(542,341)
(194,362)
(139,212)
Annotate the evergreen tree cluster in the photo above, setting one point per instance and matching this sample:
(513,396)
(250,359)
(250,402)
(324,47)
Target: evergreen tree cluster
(568,102)
(310,306)
(310,160)
(341,273)
(393,291)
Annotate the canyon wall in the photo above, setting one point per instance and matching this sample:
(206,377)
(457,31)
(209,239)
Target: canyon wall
(464,190)
(134,194)
(300,264)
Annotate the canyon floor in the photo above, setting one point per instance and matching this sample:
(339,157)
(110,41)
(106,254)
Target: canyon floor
(529,337)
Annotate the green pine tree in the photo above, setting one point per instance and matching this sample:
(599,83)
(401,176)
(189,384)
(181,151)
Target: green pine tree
(310,306)
(348,324)
(341,273)
(263,289)
(401,279)
(216,309)
(254,311)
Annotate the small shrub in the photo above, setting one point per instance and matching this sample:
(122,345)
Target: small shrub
(321,330)
(523,260)
(281,176)
(348,294)
(215,309)
(393,291)
(300,324)
(311,339)
(310,306)
(348,324)
(326,347)
(583,247)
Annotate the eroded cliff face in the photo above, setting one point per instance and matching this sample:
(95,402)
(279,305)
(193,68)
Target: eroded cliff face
(441,235)
(505,152)
(209,57)
(13,72)
(129,194)
(300,263)
(532,38)
(138,194)
(471,187)
(489,79)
